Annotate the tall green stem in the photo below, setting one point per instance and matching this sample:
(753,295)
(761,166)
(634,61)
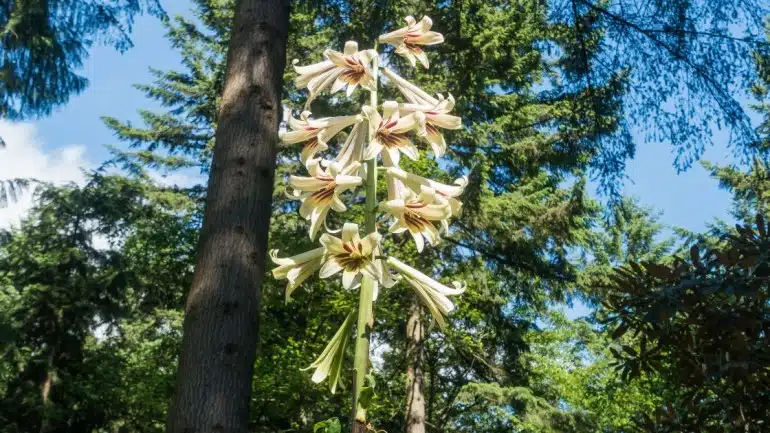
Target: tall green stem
(368,285)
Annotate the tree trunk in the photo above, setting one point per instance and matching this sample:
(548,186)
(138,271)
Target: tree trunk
(415,396)
(221,326)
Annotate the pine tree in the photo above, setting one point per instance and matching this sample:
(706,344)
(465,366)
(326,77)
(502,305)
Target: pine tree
(221,326)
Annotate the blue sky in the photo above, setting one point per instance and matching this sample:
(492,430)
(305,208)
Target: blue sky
(689,199)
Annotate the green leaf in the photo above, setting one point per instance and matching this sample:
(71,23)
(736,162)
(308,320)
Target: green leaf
(367,394)
(331,425)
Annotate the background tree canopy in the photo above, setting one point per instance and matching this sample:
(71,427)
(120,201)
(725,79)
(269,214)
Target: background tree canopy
(93,283)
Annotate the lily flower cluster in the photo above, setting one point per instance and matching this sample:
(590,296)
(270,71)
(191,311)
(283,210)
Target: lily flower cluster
(414,204)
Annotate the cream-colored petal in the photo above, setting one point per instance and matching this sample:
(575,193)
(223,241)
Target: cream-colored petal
(338,85)
(397,36)
(351,88)
(398,226)
(350,232)
(370,243)
(298,275)
(345,182)
(309,151)
(349,169)
(373,116)
(433,212)
(455,205)
(411,151)
(396,188)
(444,226)
(408,122)
(317,219)
(419,242)
(390,111)
(394,156)
(393,207)
(292,137)
(413,273)
(366,56)
(338,205)
(428,38)
(411,92)
(404,51)
(302,183)
(353,149)
(422,56)
(331,267)
(351,48)
(300,123)
(374,149)
(446,121)
(387,161)
(313,69)
(296,260)
(332,244)
(437,143)
(425,23)
(415,182)
(336,57)
(348,278)
(432,235)
(321,82)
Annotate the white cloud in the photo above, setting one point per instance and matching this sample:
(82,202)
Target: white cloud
(25,157)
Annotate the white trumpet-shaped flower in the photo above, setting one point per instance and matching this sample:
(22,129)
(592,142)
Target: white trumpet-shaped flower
(390,133)
(415,213)
(410,39)
(297,268)
(351,255)
(352,151)
(443,191)
(329,362)
(412,93)
(315,133)
(436,111)
(437,117)
(321,191)
(349,68)
(433,294)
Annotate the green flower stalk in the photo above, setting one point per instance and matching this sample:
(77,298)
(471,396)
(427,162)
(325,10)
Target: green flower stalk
(414,204)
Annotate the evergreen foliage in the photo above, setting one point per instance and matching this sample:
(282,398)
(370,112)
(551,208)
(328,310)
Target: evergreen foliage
(89,333)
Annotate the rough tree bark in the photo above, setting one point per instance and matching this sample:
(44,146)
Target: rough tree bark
(415,396)
(213,388)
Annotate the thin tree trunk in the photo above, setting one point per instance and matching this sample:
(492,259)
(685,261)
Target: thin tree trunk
(415,396)
(221,326)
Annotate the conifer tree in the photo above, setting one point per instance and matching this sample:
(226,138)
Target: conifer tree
(222,310)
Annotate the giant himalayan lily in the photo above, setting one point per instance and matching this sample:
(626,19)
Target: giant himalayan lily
(389,133)
(320,192)
(445,192)
(349,68)
(297,268)
(315,133)
(408,40)
(351,255)
(329,362)
(415,213)
(432,293)
(436,111)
